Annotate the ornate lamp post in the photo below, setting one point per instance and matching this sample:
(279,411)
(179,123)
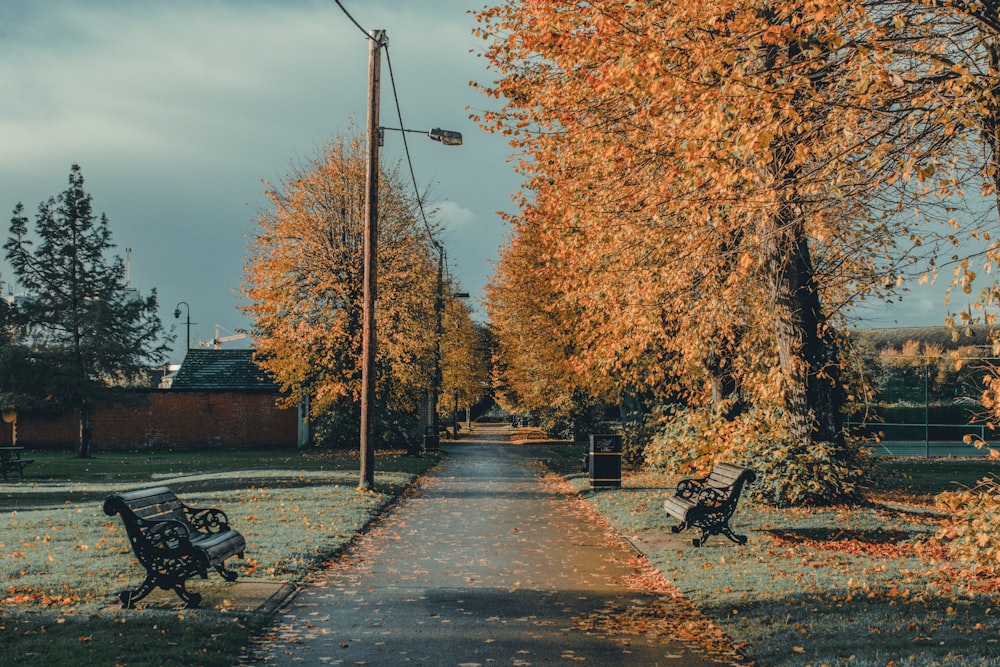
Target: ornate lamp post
(177,315)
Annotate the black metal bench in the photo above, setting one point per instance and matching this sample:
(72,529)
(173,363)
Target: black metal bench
(173,542)
(11,461)
(708,502)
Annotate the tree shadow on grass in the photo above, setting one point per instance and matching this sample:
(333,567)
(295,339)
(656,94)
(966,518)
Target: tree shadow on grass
(878,626)
(837,534)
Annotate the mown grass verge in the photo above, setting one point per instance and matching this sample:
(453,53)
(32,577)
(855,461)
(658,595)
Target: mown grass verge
(63,561)
(838,586)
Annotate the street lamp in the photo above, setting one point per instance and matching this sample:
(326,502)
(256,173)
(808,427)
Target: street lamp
(177,315)
(454,414)
(431,440)
(376,40)
(446,137)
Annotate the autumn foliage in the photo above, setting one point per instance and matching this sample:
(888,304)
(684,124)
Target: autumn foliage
(969,535)
(709,188)
(304,288)
(465,372)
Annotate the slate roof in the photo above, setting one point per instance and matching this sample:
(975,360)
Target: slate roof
(221,370)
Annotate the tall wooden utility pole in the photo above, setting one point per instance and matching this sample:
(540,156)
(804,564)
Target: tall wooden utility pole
(376,40)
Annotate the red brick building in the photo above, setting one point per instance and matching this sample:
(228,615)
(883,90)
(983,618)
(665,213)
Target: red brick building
(219,399)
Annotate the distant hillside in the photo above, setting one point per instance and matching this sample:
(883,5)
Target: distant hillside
(944,337)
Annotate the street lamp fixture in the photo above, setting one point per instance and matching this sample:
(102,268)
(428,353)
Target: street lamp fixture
(177,315)
(446,137)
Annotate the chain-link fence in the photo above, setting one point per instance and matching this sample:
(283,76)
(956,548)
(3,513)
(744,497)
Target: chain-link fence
(926,407)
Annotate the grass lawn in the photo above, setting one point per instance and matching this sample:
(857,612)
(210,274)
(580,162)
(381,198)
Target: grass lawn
(821,587)
(63,561)
(839,586)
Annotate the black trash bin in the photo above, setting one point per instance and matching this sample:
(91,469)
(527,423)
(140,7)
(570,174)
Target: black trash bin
(604,460)
(432,441)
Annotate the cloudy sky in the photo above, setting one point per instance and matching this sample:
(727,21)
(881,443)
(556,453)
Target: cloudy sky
(179,111)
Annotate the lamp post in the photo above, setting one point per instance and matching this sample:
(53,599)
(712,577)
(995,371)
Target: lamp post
(376,40)
(177,315)
(432,408)
(436,390)
(454,414)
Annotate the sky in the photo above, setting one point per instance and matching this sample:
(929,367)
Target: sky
(178,114)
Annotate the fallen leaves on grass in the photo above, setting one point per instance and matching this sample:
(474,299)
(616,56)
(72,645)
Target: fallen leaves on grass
(74,552)
(883,544)
(661,611)
(37,598)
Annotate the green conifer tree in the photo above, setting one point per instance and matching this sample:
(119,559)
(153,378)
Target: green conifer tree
(84,329)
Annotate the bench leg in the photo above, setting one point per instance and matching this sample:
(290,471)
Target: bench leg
(728,532)
(721,528)
(129,598)
(228,575)
(706,532)
(191,600)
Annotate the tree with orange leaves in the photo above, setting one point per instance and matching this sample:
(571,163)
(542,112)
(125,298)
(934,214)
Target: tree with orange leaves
(303,283)
(465,371)
(710,185)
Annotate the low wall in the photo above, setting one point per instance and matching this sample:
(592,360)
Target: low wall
(168,420)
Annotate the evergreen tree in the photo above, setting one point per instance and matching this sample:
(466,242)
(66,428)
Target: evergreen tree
(87,334)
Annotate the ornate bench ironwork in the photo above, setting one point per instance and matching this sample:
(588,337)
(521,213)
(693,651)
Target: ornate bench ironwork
(173,542)
(707,503)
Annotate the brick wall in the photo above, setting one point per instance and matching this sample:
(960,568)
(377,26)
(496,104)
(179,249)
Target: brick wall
(169,420)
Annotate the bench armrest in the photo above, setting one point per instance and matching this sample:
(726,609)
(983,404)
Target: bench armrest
(166,533)
(712,498)
(689,488)
(210,520)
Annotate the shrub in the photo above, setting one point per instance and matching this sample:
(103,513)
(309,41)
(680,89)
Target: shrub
(340,428)
(575,420)
(822,474)
(679,440)
(691,441)
(970,535)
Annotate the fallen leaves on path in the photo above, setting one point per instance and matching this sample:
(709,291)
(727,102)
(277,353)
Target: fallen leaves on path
(661,610)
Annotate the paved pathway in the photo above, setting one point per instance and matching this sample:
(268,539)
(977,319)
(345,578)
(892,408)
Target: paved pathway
(485,565)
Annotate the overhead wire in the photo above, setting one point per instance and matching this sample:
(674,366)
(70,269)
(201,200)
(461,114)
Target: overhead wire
(406,151)
(348,15)
(406,147)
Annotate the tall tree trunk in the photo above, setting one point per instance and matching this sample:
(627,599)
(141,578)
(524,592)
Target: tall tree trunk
(807,349)
(86,432)
(991,119)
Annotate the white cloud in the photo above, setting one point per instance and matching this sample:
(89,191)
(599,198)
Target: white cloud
(453,215)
